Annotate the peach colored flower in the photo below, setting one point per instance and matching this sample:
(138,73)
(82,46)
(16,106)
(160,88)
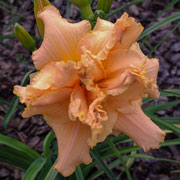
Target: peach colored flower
(90,83)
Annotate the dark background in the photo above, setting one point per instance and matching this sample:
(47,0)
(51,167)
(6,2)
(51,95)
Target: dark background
(15,61)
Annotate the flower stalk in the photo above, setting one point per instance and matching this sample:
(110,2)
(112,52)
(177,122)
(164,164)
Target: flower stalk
(84,6)
(104,5)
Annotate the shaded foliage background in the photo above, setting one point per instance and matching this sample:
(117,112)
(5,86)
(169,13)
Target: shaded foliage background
(15,61)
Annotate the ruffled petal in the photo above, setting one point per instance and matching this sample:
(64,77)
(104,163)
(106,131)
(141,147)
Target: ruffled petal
(109,123)
(73,148)
(103,25)
(52,97)
(131,33)
(28,94)
(120,59)
(54,75)
(21,92)
(141,129)
(43,79)
(106,36)
(78,107)
(152,68)
(94,42)
(117,83)
(125,102)
(53,106)
(90,68)
(66,75)
(61,38)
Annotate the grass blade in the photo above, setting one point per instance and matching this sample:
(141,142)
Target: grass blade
(101,164)
(14,102)
(79,174)
(170,92)
(144,156)
(47,143)
(159,24)
(158,107)
(164,124)
(122,8)
(172,3)
(162,40)
(100,172)
(34,169)
(118,155)
(15,158)
(53,174)
(19,146)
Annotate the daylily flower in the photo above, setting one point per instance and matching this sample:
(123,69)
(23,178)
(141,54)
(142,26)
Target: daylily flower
(90,83)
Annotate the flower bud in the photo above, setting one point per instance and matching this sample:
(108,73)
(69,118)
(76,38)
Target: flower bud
(24,37)
(104,5)
(38,6)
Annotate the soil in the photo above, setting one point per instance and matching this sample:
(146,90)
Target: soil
(15,62)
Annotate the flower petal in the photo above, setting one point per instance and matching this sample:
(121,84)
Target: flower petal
(90,67)
(119,59)
(152,68)
(125,102)
(131,33)
(54,75)
(78,107)
(43,79)
(53,106)
(103,25)
(61,38)
(141,129)
(117,83)
(109,123)
(73,148)
(106,36)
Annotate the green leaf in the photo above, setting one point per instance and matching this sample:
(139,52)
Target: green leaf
(100,172)
(160,24)
(53,174)
(44,170)
(170,92)
(19,146)
(79,174)
(123,151)
(136,148)
(163,39)
(172,3)
(116,140)
(144,156)
(118,155)
(147,99)
(34,169)
(172,120)
(14,102)
(158,107)
(47,143)
(164,124)
(15,158)
(101,164)
(122,8)
(10,112)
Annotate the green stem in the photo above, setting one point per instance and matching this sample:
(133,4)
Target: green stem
(86,11)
